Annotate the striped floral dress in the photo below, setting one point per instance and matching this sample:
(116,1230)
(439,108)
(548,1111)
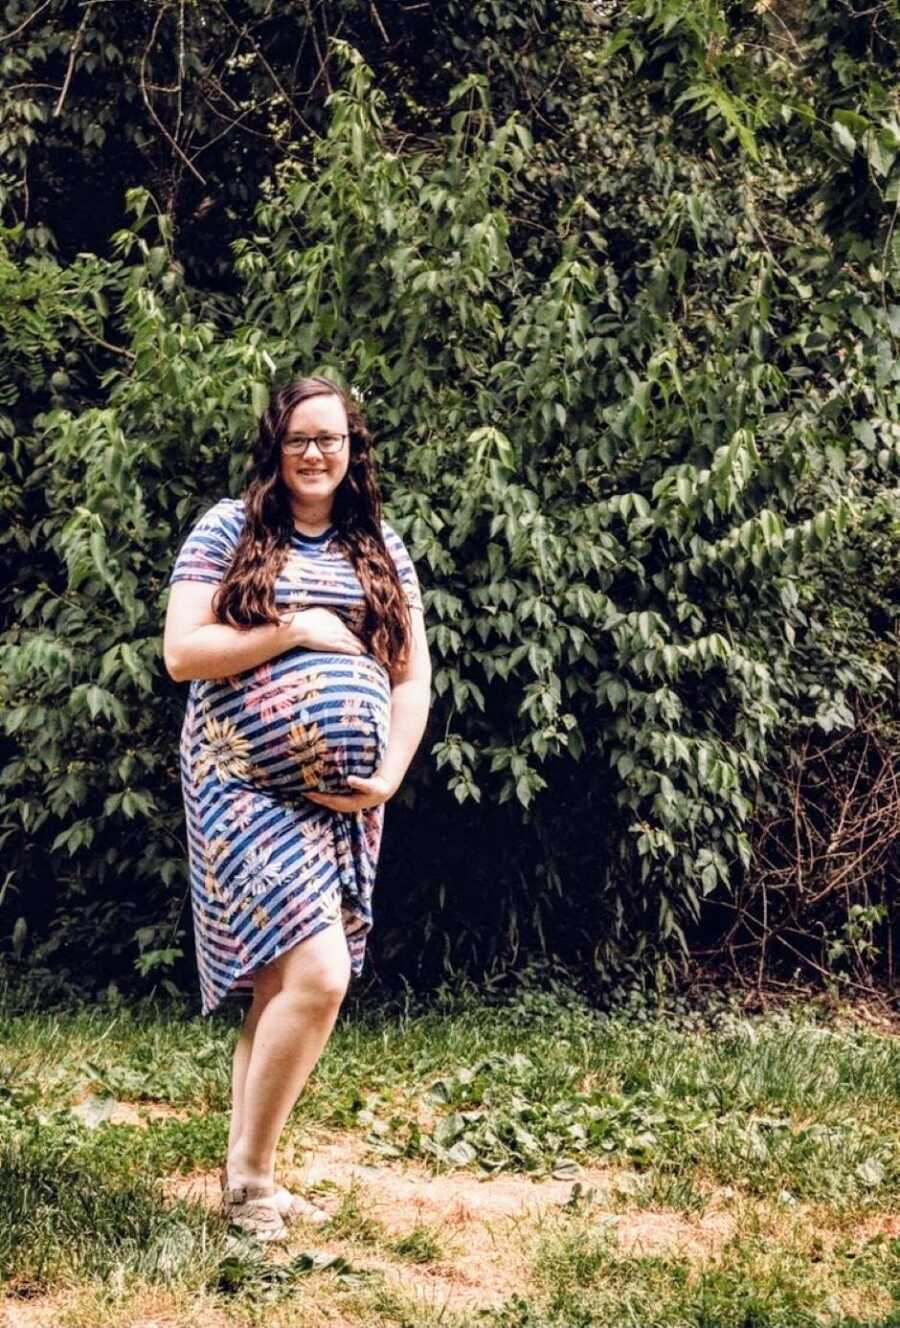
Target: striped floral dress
(268,867)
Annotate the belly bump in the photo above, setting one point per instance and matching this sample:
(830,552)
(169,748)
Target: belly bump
(311,718)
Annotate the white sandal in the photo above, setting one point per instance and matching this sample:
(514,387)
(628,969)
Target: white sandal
(292,1207)
(255,1210)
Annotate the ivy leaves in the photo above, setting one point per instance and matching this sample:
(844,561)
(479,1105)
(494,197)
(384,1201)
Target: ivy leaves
(634,391)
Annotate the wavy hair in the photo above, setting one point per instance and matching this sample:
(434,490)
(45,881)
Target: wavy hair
(246,595)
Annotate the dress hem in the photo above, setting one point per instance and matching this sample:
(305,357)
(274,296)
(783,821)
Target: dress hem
(235,991)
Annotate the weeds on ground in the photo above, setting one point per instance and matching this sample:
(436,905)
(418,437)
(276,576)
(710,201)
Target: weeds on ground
(789,1119)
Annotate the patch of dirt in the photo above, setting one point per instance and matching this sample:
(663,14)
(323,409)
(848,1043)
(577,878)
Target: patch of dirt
(648,1233)
(474,1219)
(149,1311)
(865,1306)
(882,1224)
(463,1201)
(814,1231)
(94,1107)
(25,1316)
(138,1113)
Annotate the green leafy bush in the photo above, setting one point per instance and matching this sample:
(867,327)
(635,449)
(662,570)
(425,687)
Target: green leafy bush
(633,383)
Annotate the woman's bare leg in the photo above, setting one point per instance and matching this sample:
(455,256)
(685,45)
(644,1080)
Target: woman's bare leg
(266,982)
(289,1036)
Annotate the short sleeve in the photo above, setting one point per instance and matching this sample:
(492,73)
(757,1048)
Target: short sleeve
(209,548)
(404,565)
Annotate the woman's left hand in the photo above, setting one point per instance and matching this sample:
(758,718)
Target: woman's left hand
(371,793)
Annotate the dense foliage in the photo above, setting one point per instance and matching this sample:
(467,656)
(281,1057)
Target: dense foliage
(631,367)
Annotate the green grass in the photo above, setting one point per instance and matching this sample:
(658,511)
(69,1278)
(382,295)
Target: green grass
(581,1277)
(422,1244)
(66,1217)
(791,1120)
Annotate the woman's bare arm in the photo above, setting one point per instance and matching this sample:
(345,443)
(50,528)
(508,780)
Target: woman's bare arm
(410,703)
(196,646)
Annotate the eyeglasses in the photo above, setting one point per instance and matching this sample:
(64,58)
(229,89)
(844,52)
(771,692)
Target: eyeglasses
(327,443)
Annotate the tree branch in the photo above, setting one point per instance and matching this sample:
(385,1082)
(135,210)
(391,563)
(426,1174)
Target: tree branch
(71,66)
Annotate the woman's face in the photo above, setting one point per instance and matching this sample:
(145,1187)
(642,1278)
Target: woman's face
(311,478)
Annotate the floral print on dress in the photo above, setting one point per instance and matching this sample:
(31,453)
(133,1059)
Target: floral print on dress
(309,750)
(212,852)
(269,696)
(223,751)
(241,809)
(269,867)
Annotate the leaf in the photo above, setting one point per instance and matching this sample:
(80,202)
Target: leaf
(462,1153)
(843,137)
(870,1172)
(448,1129)
(19,936)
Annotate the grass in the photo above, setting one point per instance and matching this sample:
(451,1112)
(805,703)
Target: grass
(583,1278)
(66,1222)
(715,1168)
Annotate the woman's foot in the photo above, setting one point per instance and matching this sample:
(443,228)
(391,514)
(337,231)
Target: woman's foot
(253,1209)
(292,1207)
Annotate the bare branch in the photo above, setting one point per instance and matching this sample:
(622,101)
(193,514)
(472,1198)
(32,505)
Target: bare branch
(288,100)
(8,36)
(147,102)
(71,66)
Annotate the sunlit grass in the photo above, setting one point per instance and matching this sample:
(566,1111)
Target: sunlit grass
(790,1123)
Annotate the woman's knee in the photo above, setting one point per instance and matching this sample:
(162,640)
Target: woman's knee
(317,969)
(323,985)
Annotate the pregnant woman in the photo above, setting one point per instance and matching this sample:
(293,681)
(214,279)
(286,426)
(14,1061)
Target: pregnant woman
(296,614)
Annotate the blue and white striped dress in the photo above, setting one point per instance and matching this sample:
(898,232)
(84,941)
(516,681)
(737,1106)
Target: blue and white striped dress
(267,866)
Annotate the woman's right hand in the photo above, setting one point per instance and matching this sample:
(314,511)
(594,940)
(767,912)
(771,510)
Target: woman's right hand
(321,629)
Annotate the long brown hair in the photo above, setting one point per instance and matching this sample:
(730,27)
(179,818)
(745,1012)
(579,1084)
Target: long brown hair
(246,595)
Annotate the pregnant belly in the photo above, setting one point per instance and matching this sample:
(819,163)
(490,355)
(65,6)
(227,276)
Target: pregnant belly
(306,720)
